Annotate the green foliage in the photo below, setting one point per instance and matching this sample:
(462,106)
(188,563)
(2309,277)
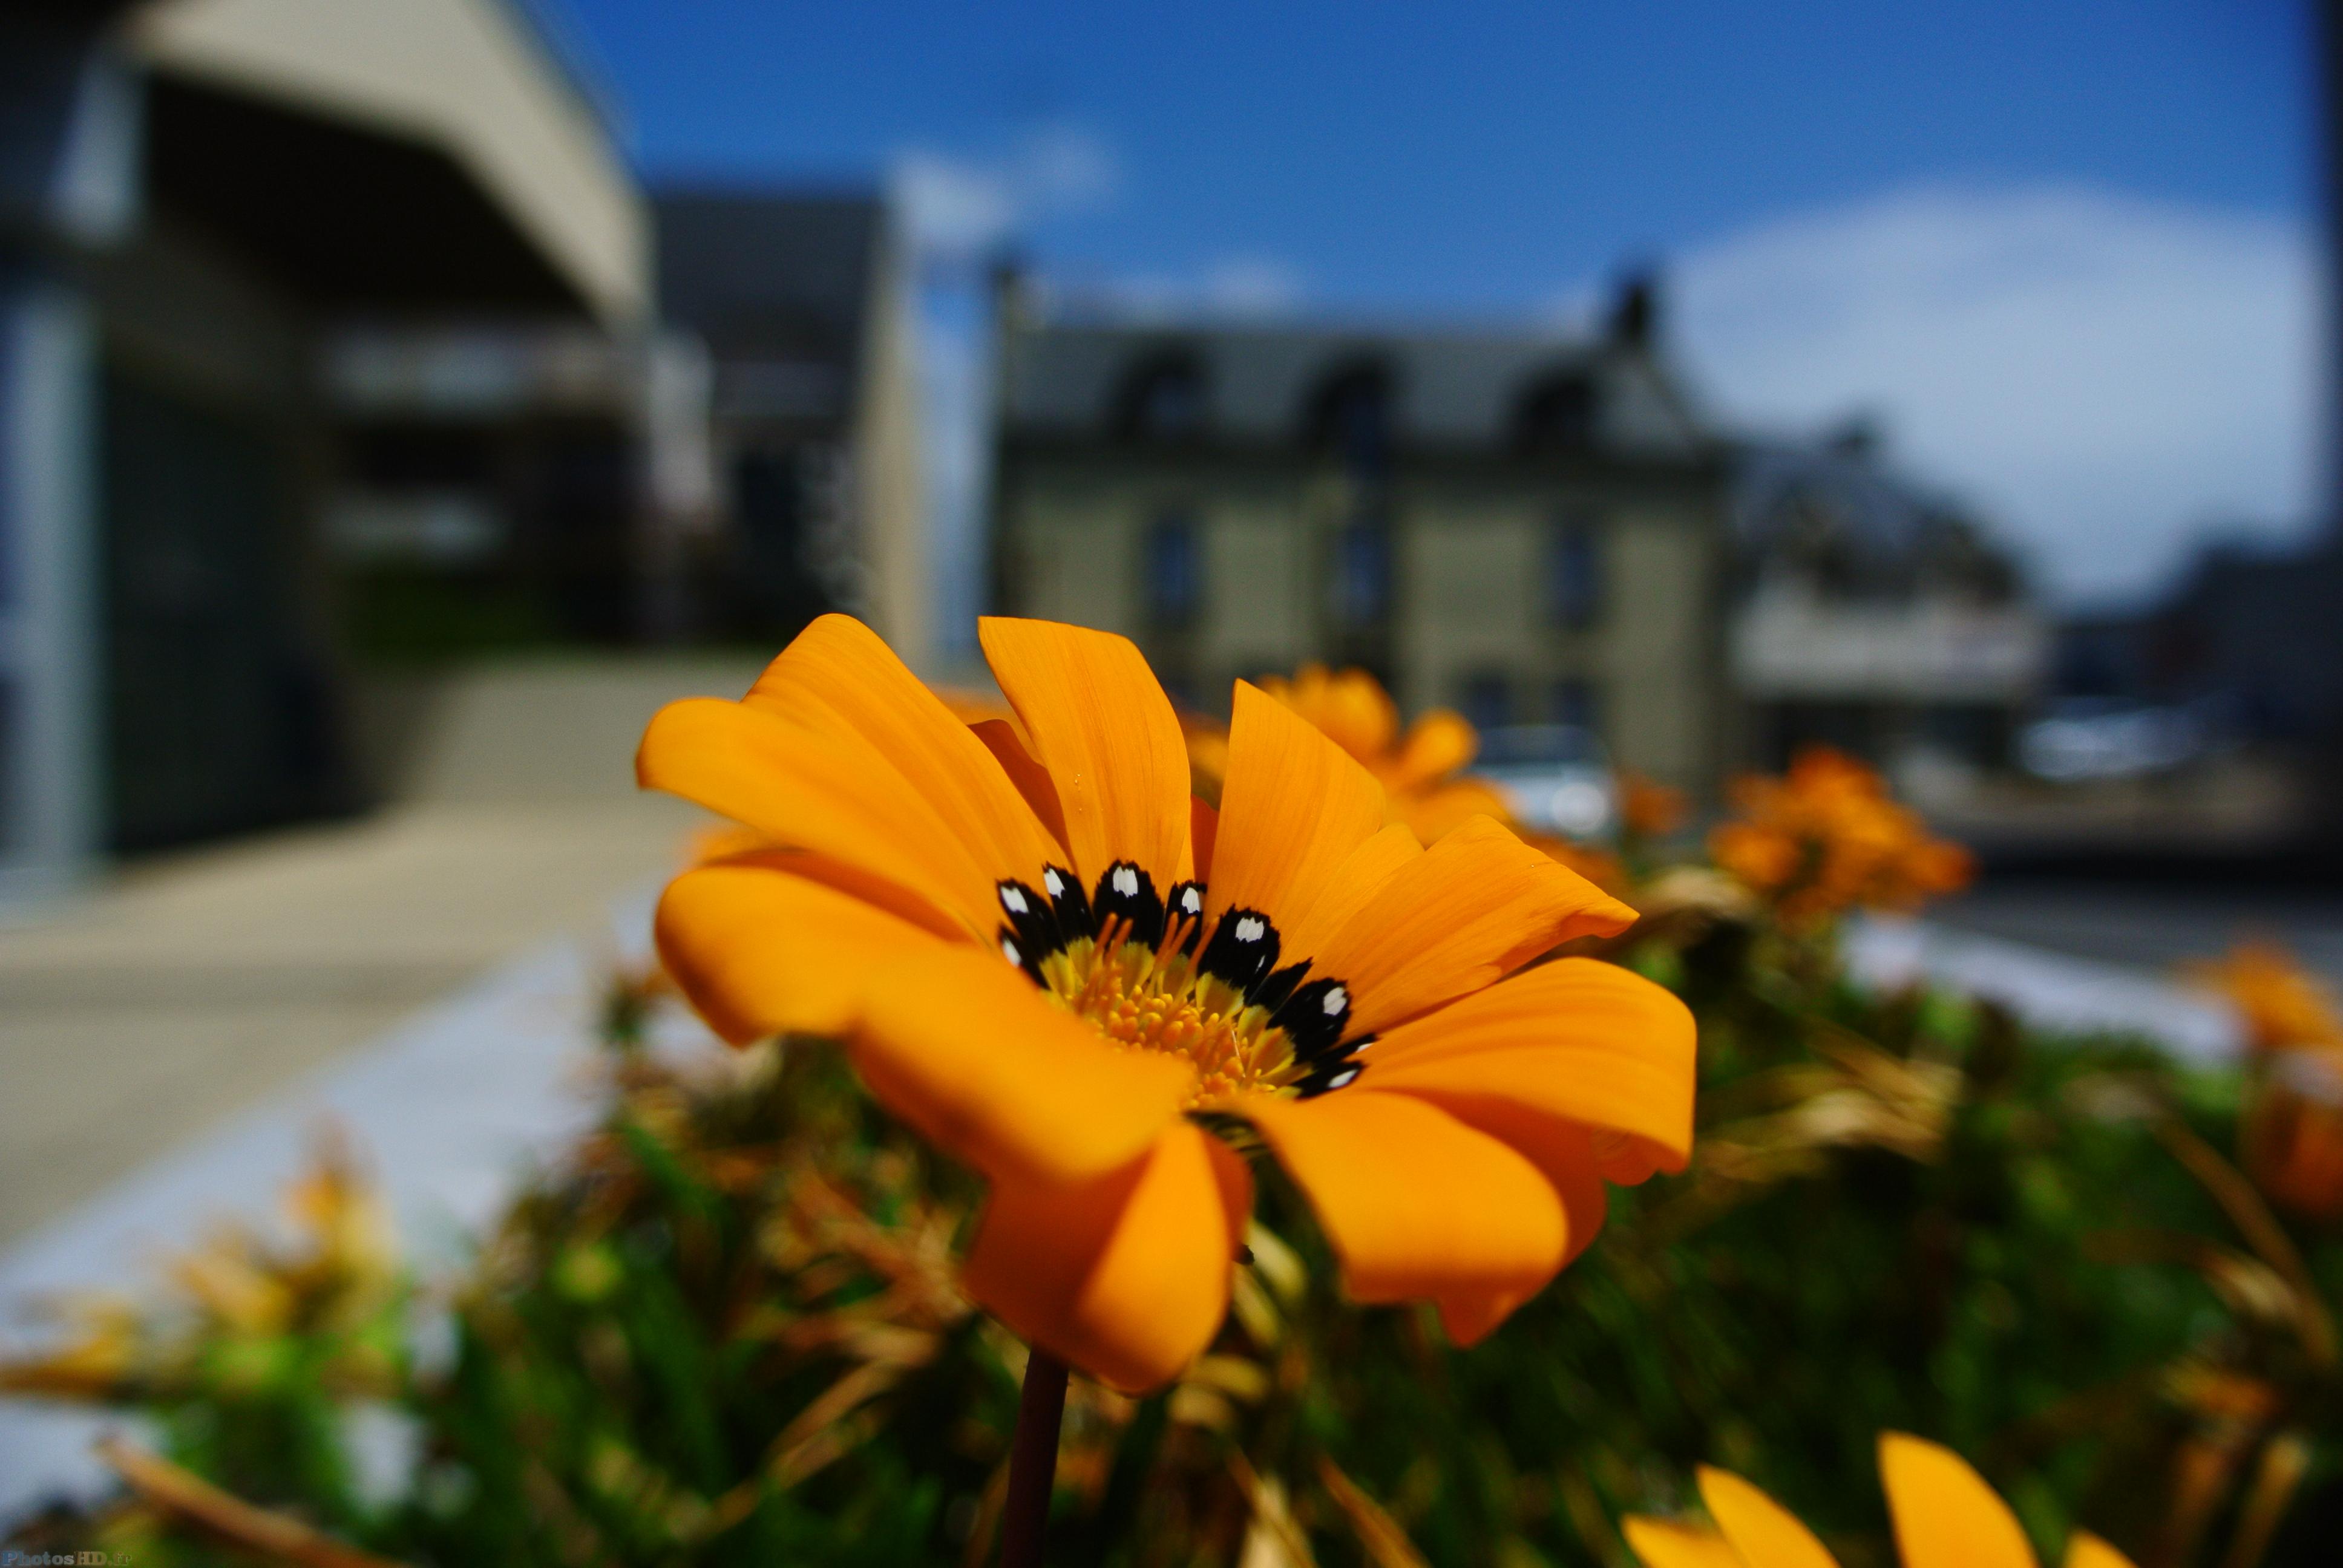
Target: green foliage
(726,1329)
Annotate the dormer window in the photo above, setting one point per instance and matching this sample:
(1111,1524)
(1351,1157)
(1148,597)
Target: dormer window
(1164,400)
(1558,414)
(1351,416)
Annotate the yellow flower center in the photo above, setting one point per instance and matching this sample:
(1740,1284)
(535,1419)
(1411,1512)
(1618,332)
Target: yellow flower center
(1158,1000)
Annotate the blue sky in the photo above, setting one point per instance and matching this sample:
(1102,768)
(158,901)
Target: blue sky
(2065,250)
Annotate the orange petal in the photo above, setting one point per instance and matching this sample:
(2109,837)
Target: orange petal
(856,882)
(1562,1151)
(969,1052)
(1032,779)
(1438,744)
(761,952)
(1668,1544)
(2084,1550)
(1203,831)
(1417,1205)
(1467,911)
(1577,1040)
(1363,873)
(1293,809)
(1946,1515)
(830,793)
(1103,727)
(1765,1534)
(839,677)
(1125,1276)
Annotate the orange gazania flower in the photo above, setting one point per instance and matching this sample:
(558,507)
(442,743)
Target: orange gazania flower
(1945,1517)
(1827,837)
(1048,960)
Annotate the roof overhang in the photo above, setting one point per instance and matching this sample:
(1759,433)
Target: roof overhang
(466,84)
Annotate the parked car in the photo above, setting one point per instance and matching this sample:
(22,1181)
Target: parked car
(2094,739)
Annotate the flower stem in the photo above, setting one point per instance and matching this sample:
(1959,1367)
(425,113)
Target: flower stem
(1033,1461)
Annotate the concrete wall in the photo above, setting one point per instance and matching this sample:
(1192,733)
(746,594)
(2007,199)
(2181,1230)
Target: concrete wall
(891,491)
(549,729)
(464,75)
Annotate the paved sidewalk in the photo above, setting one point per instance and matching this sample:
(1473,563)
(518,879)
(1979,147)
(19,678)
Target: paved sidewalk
(140,1017)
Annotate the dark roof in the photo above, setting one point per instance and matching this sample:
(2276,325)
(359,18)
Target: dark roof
(769,277)
(1841,499)
(1463,387)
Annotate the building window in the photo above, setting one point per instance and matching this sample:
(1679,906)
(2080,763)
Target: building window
(1574,573)
(1576,703)
(1486,700)
(1359,590)
(1175,572)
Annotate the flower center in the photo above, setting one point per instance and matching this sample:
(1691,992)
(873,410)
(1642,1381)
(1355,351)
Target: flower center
(1154,999)
(1138,967)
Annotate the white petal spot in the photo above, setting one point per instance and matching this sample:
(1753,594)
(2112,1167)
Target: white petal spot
(1342,1077)
(1126,881)
(1009,950)
(1055,882)
(1252,929)
(1013,900)
(1336,1000)
(1191,904)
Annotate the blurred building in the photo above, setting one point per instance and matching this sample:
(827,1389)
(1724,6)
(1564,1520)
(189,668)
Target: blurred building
(1527,528)
(801,307)
(747,463)
(197,196)
(2242,644)
(1872,617)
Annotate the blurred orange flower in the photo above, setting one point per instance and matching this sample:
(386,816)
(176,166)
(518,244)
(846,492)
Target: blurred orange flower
(1648,808)
(1946,1516)
(2281,1003)
(1049,960)
(1827,837)
(2292,1132)
(2291,1136)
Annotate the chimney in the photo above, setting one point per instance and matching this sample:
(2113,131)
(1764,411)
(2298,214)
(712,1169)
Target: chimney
(1635,309)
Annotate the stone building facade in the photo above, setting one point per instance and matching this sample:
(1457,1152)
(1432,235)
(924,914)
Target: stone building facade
(1527,527)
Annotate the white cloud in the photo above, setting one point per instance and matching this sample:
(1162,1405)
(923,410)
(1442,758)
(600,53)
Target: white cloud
(957,210)
(957,206)
(2105,375)
(1251,285)
(1232,288)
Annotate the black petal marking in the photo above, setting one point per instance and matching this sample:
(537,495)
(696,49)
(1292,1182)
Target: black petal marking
(1074,918)
(1315,1017)
(1242,950)
(1017,952)
(1186,902)
(1271,993)
(1127,892)
(1033,928)
(1336,1071)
